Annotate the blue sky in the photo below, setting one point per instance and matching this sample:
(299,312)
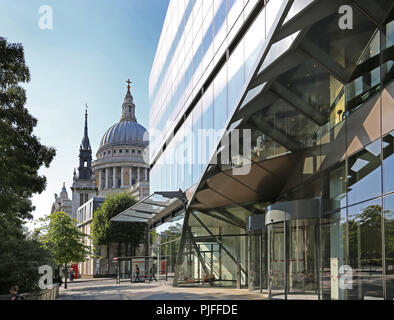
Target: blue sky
(94,47)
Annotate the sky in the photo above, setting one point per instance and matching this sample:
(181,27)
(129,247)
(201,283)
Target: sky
(93,48)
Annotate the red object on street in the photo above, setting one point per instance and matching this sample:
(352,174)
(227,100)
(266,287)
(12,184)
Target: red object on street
(163,267)
(74,266)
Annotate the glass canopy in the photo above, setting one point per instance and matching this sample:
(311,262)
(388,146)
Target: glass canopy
(156,204)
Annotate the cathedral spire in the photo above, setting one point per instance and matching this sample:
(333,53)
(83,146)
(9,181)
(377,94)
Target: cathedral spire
(128,107)
(85,140)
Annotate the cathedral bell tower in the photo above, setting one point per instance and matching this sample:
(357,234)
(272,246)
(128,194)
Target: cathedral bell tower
(84,186)
(85,155)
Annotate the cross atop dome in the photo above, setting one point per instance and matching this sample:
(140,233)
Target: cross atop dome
(128,85)
(128,107)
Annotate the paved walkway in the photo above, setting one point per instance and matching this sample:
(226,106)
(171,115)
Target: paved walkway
(106,289)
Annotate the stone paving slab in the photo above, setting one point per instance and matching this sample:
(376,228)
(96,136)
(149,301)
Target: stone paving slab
(98,289)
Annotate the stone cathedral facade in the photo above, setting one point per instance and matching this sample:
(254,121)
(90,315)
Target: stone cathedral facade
(120,166)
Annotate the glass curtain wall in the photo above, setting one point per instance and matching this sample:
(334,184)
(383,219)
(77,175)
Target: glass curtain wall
(320,121)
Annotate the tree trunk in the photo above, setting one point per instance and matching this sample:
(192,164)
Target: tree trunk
(65,276)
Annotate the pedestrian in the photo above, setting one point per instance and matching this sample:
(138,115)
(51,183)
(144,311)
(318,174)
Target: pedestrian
(137,273)
(72,275)
(14,294)
(58,278)
(152,272)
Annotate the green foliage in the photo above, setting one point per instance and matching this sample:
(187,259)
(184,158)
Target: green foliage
(19,263)
(21,156)
(64,240)
(21,153)
(365,236)
(105,231)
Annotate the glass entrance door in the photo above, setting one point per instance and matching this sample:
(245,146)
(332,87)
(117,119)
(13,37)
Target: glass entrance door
(302,262)
(276,259)
(293,269)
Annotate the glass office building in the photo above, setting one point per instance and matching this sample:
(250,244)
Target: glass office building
(305,90)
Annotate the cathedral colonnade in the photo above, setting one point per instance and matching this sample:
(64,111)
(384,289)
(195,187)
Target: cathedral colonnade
(120,177)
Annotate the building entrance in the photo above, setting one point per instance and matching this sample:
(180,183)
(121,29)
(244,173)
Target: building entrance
(289,256)
(293,258)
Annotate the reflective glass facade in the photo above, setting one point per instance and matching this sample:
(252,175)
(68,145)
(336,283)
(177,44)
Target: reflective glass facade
(188,52)
(310,216)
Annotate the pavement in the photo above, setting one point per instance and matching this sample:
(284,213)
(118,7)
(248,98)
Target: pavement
(107,289)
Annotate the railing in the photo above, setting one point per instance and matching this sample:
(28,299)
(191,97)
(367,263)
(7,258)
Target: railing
(49,294)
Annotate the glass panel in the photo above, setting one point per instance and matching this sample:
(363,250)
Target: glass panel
(377,8)
(197,126)
(296,8)
(276,259)
(207,134)
(361,89)
(277,49)
(235,77)
(364,174)
(220,102)
(354,61)
(389,245)
(319,91)
(254,40)
(220,256)
(335,188)
(333,246)
(188,152)
(387,53)
(290,122)
(326,38)
(388,163)
(258,261)
(302,259)
(365,250)
(219,23)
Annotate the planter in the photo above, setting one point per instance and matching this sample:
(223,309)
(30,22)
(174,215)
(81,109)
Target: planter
(50,294)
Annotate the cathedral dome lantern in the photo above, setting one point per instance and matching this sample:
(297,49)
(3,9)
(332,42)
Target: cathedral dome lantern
(127,131)
(63,193)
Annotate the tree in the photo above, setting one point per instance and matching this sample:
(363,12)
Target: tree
(105,232)
(365,242)
(21,156)
(65,241)
(21,153)
(19,264)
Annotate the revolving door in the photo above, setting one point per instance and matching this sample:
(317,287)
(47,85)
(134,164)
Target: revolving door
(290,238)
